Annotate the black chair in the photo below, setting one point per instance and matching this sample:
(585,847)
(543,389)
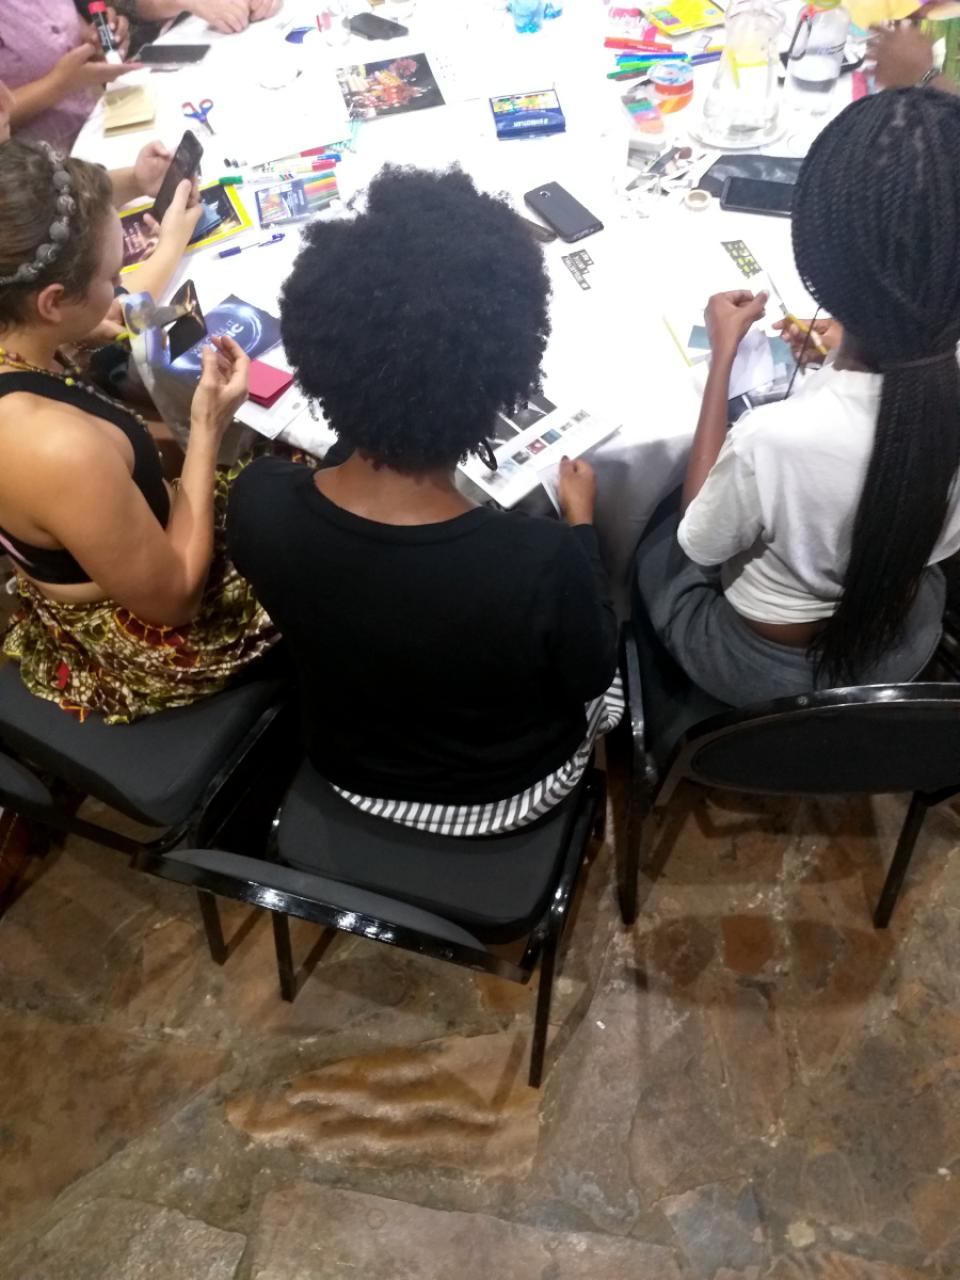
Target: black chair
(183,771)
(453,899)
(878,738)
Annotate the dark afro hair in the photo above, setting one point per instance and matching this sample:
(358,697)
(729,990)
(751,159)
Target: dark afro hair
(415,322)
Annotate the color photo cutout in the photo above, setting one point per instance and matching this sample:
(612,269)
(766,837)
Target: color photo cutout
(528,446)
(389,88)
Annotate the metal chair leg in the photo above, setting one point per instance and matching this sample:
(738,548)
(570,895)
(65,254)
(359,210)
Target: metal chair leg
(600,813)
(548,964)
(284,951)
(210,914)
(901,860)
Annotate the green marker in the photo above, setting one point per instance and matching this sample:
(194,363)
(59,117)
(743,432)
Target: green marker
(232,180)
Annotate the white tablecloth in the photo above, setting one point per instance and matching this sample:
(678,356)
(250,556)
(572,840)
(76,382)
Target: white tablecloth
(610,351)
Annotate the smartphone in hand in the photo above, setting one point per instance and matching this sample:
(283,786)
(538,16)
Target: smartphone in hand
(185,165)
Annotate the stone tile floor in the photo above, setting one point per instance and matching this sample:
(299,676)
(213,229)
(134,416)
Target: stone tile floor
(751,1084)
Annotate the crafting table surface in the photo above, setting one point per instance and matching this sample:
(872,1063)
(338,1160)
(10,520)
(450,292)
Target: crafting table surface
(610,351)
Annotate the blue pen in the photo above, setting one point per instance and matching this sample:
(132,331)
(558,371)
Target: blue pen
(229,253)
(700,59)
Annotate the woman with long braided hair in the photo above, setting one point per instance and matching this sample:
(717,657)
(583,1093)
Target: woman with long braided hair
(806,556)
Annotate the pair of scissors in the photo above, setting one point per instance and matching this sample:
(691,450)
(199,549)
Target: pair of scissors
(200,113)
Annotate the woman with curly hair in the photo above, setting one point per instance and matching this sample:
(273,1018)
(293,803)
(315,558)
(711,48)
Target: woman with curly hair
(445,651)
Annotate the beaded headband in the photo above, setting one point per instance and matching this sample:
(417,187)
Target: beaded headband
(59,231)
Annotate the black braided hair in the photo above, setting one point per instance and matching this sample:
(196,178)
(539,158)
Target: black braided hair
(876,236)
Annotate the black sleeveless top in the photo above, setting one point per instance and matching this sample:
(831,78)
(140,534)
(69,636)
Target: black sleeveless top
(58,567)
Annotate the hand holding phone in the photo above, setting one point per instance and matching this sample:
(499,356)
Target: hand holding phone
(184,165)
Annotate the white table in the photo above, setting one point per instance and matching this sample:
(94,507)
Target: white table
(610,351)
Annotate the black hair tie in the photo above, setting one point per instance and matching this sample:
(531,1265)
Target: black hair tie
(484,452)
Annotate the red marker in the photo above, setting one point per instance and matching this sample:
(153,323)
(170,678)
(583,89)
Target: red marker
(643,46)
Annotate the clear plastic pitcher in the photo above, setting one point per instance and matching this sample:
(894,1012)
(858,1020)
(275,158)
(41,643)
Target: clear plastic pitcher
(816,54)
(743,107)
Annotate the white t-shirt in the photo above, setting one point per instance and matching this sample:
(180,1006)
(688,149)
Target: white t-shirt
(778,507)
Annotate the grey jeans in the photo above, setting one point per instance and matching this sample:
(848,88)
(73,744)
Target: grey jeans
(719,652)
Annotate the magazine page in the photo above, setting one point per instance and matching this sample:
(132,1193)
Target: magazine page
(528,448)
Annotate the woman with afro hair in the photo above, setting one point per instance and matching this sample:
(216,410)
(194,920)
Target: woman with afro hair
(453,659)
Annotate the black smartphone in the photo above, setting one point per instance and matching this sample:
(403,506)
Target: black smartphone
(371,27)
(558,209)
(753,195)
(190,328)
(185,164)
(539,231)
(171,55)
(746,165)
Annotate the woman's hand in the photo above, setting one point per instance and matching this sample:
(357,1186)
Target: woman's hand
(222,388)
(151,167)
(120,27)
(81,69)
(577,491)
(223,15)
(829,334)
(180,221)
(900,56)
(260,9)
(729,317)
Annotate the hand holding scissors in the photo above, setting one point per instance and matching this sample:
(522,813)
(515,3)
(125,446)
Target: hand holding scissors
(200,113)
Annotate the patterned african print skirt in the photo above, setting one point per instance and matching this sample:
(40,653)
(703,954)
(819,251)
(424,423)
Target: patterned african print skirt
(102,658)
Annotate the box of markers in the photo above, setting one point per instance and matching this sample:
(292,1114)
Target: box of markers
(528,115)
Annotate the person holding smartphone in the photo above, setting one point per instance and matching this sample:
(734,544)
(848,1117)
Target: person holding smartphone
(128,604)
(808,547)
(171,235)
(53,62)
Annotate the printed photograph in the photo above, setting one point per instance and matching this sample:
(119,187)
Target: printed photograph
(389,88)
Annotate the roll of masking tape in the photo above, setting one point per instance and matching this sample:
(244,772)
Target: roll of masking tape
(697,199)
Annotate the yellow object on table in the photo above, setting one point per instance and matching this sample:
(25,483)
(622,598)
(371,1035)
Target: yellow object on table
(874,13)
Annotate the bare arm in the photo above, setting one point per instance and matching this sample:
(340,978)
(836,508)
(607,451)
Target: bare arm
(729,316)
(222,15)
(178,225)
(711,427)
(159,574)
(80,69)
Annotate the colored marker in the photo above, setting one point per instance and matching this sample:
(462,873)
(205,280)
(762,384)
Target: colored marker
(648,46)
(231,180)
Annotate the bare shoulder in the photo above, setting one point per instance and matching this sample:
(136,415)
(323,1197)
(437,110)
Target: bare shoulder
(49,450)
(32,427)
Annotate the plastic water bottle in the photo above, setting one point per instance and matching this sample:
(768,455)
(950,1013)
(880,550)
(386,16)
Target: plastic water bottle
(816,54)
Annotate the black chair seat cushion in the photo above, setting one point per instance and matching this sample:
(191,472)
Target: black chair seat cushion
(154,770)
(497,886)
